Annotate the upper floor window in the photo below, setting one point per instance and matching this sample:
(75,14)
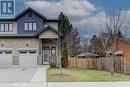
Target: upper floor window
(6,27)
(30,26)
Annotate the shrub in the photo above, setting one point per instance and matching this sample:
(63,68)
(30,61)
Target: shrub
(64,59)
(53,65)
(64,52)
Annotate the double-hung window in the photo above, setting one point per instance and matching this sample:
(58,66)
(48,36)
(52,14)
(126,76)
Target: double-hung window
(6,27)
(1,27)
(30,26)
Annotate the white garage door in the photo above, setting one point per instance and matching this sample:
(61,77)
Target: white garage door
(28,59)
(6,58)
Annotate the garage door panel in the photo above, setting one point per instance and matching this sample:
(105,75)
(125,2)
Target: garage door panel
(28,59)
(6,59)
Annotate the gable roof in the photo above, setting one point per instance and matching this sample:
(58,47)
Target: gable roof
(29,35)
(47,28)
(32,10)
(24,12)
(126,40)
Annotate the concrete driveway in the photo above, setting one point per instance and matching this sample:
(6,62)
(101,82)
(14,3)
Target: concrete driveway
(16,75)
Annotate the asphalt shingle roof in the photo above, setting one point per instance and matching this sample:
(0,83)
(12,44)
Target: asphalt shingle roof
(88,55)
(127,40)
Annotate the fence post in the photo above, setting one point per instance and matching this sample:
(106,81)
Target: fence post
(124,62)
(76,62)
(98,65)
(86,63)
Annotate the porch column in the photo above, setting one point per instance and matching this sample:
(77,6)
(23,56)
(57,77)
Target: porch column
(40,52)
(58,48)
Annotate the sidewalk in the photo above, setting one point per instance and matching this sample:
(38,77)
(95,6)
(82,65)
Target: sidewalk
(88,84)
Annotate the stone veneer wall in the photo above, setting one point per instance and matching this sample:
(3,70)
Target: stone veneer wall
(17,43)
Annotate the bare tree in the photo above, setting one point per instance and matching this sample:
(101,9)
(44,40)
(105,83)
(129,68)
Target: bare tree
(72,41)
(115,23)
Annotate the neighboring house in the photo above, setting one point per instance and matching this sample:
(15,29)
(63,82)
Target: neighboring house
(28,40)
(88,55)
(122,49)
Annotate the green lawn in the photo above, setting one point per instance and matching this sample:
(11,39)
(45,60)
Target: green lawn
(83,75)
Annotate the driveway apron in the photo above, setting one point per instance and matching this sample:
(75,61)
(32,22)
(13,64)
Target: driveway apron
(38,80)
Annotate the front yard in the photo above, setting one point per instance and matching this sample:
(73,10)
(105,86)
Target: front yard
(83,75)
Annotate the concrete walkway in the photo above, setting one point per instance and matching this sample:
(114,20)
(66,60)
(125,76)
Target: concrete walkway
(39,79)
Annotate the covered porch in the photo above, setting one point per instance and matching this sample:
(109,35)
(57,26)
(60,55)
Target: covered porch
(49,47)
(49,51)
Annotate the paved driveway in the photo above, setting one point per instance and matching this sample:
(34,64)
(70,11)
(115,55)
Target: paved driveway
(16,75)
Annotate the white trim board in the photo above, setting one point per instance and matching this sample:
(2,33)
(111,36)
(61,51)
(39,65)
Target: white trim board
(6,48)
(27,49)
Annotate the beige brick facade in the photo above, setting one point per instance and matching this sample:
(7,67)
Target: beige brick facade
(18,43)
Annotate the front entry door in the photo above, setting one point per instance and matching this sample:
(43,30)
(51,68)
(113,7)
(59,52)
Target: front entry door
(46,56)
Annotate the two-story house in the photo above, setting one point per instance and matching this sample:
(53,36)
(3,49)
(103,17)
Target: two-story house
(28,40)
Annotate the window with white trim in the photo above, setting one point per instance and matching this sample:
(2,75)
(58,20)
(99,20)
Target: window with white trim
(34,26)
(30,26)
(25,26)
(6,27)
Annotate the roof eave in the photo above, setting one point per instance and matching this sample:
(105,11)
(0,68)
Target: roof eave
(29,9)
(52,20)
(7,19)
(46,28)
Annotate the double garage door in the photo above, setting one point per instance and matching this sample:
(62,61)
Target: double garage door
(25,59)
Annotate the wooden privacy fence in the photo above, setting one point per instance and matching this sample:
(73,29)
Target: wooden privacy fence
(100,63)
